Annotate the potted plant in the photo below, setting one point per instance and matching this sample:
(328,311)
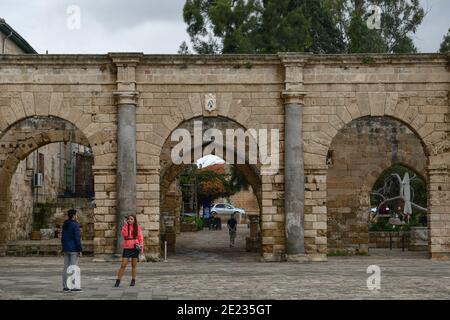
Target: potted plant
(35,235)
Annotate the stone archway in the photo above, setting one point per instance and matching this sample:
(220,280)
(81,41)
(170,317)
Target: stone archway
(358,154)
(18,142)
(155,94)
(169,172)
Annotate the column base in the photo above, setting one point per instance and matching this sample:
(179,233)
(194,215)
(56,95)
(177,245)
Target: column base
(271,257)
(3,248)
(253,244)
(152,257)
(298,258)
(445,256)
(318,257)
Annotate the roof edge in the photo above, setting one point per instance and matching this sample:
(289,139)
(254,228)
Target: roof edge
(16,37)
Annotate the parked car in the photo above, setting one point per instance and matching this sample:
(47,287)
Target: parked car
(227,209)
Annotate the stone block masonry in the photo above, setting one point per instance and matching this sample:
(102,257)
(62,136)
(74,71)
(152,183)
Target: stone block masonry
(166,91)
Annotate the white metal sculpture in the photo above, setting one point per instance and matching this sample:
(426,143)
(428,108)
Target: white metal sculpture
(406,193)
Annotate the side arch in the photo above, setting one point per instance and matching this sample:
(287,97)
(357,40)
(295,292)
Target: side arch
(25,136)
(359,153)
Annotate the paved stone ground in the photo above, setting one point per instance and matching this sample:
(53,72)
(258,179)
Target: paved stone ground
(206,268)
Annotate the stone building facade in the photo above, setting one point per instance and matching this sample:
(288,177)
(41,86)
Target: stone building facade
(50,160)
(126,105)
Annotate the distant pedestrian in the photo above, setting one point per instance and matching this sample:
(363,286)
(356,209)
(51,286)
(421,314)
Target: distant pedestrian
(207,214)
(232,228)
(133,245)
(71,247)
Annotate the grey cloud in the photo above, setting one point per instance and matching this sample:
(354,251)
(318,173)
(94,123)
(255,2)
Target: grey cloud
(436,23)
(144,25)
(119,14)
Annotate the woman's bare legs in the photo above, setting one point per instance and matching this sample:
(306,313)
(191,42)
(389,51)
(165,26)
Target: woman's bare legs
(122,268)
(134,262)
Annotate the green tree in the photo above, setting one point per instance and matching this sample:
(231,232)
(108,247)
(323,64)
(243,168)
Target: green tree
(399,22)
(261,26)
(210,185)
(283,27)
(361,39)
(183,49)
(320,26)
(445,45)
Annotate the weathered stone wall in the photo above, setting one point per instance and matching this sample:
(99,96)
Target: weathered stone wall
(170,90)
(85,215)
(24,196)
(248,93)
(359,154)
(244,199)
(411,88)
(76,89)
(21,205)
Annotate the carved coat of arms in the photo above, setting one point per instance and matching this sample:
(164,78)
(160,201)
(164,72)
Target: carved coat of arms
(210,102)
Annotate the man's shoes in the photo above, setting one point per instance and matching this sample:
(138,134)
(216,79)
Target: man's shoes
(132,283)
(116,285)
(66,290)
(77,290)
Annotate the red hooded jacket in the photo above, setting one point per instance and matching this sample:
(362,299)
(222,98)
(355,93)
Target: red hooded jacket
(129,241)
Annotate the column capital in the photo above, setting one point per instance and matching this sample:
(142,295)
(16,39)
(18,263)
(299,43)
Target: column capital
(293,97)
(126,97)
(293,59)
(293,64)
(126,69)
(123,59)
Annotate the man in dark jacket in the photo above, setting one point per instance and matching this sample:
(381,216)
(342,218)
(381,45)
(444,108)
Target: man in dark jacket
(232,228)
(71,247)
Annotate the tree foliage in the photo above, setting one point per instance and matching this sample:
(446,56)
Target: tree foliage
(319,26)
(211,185)
(445,45)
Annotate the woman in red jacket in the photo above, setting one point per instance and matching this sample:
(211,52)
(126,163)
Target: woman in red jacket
(133,245)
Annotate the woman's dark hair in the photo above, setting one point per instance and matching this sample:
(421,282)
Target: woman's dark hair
(135,226)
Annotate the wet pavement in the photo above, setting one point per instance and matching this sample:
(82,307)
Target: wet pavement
(205,267)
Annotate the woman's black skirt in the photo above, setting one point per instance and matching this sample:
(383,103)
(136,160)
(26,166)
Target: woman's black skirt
(130,253)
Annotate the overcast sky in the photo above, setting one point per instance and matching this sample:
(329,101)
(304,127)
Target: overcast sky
(149,26)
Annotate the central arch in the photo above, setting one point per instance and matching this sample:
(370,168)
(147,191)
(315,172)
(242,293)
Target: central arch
(169,171)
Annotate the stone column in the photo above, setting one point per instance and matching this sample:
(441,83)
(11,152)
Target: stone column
(294,184)
(5,200)
(439,207)
(253,243)
(126,95)
(126,160)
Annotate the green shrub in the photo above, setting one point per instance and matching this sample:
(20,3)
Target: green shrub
(199,223)
(188,219)
(41,216)
(345,253)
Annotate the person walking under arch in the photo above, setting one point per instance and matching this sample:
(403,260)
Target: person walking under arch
(232,228)
(133,245)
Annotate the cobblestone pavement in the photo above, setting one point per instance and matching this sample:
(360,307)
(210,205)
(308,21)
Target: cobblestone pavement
(205,267)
